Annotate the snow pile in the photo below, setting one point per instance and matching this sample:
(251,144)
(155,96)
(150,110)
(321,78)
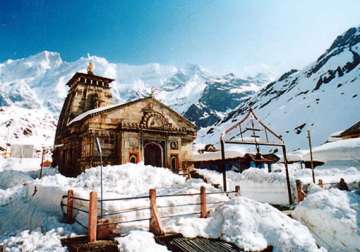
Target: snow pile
(37,204)
(10,194)
(30,207)
(329,175)
(22,167)
(20,164)
(254,183)
(10,179)
(137,241)
(35,241)
(333,216)
(250,225)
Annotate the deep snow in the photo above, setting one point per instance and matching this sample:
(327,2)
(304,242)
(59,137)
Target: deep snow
(250,225)
(332,215)
(36,205)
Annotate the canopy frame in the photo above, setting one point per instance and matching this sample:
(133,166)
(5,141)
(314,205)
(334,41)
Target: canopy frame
(250,115)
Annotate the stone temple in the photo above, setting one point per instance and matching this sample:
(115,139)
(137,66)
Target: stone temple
(142,130)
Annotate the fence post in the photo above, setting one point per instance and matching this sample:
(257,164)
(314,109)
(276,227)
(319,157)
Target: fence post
(92,220)
(154,222)
(237,190)
(299,190)
(321,183)
(69,207)
(203,211)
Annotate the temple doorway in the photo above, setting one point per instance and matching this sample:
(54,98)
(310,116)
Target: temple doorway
(153,154)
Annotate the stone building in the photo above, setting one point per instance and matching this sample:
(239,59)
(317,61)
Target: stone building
(141,130)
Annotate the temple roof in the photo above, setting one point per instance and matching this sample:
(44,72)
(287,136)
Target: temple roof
(96,111)
(78,75)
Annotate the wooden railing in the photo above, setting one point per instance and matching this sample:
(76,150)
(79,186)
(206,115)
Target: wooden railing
(99,226)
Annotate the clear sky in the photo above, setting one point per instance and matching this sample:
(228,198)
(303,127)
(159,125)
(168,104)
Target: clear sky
(221,35)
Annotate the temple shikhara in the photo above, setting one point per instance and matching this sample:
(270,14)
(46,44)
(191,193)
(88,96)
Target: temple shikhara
(141,130)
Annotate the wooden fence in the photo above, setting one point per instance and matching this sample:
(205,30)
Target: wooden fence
(98,227)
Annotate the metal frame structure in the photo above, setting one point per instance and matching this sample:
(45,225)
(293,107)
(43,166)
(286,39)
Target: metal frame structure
(257,142)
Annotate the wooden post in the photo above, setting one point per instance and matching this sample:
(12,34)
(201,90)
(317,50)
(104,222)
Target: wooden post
(287,175)
(69,207)
(223,168)
(237,190)
(154,223)
(311,157)
(203,211)
(299,190)
(321,183)
(92,220)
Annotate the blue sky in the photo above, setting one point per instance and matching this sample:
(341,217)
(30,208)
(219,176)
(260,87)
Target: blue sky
(221,35)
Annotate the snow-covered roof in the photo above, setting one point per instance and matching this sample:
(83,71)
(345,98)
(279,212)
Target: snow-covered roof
(210,156)
(92,111)
(101,109)
(347,149)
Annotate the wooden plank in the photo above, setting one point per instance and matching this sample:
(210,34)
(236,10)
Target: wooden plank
(154,222)
(69,207)
(92,217)
(203,211)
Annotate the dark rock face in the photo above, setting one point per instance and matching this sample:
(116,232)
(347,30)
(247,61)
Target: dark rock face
(347,40)
(201,115)
(219,97)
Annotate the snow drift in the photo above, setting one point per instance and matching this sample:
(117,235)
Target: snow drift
(250,225)
(333,217)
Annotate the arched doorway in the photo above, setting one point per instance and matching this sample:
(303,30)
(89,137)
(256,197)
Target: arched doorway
(153,154)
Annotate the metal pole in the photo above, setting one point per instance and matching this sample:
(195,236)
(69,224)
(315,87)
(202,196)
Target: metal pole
(287,174)
(311,157)
(101,186)
(98,146)
(42,161)
(223,161)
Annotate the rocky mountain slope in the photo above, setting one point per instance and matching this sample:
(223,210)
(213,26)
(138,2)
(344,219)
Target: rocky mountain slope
(323,97)
(38,83)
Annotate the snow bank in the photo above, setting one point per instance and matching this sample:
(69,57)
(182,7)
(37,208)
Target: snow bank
(333,216)
(30,208)
(28,241)
(329,175)
(139,241)
(19,164)
(10,178)
(260,185)
(256,184)
(37,204)
(250,225)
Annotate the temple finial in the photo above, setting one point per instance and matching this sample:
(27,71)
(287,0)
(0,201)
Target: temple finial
(90,68)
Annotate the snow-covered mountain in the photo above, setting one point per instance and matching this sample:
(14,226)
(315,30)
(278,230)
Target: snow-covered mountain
(323,97)
(38,83)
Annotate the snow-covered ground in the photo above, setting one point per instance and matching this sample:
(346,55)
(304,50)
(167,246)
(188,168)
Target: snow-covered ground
(271,188)
(250,225)
(254,183)
(139,241)
(333,217)
(31,213)
(35,241)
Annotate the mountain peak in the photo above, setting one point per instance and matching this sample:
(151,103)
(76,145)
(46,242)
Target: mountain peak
(46,58)
(348,38)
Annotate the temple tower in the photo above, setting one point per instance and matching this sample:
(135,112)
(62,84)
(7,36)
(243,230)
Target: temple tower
(87,91)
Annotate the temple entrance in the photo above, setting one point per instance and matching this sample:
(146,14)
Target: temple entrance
(153,154)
